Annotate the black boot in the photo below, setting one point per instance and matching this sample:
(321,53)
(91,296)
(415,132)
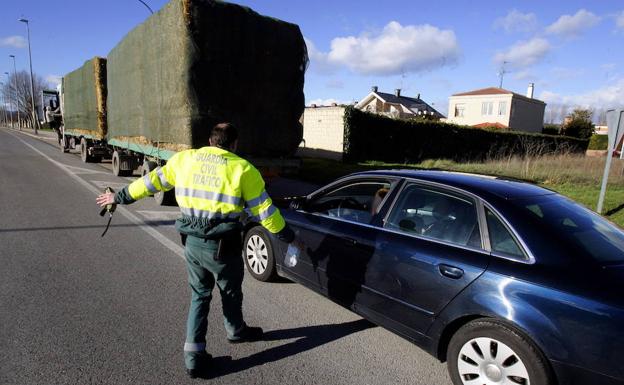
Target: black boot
(248,334)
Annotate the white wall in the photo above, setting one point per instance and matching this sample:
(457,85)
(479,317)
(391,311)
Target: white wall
(323,132)
(472,109)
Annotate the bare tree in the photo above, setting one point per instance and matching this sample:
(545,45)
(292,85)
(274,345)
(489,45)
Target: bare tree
(18,88)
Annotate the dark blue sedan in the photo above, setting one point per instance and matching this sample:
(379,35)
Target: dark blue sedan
(508,282)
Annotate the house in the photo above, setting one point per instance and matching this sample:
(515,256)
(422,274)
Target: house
(397,106)
(497,107)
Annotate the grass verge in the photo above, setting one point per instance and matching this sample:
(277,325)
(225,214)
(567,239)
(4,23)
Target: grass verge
(577,177)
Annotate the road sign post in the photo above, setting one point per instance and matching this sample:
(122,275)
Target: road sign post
(615,122)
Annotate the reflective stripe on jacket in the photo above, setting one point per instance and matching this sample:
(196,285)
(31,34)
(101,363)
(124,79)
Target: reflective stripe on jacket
(212,183)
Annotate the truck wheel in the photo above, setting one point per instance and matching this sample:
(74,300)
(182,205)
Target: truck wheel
(64,144)
(166,198)
(119,167)
(84,151)
(258,254)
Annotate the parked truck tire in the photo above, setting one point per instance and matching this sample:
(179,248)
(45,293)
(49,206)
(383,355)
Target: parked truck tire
(166,198)
(121,165)
(85,144)
(64,144)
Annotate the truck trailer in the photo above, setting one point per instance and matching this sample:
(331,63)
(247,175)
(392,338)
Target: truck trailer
(189,66)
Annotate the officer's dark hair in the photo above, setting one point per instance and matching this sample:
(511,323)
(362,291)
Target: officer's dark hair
(223,135)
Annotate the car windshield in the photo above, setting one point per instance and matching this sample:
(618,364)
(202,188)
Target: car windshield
(579,226)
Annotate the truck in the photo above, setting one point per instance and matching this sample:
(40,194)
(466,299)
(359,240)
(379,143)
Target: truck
(189,66)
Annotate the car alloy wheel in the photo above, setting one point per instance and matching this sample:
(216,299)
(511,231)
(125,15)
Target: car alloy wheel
(258,254)
(492,352)
(488,361)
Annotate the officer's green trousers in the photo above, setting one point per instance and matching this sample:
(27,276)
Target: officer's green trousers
(203,272)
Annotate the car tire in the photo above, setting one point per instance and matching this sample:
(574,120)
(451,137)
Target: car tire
(258,254)
(491,352)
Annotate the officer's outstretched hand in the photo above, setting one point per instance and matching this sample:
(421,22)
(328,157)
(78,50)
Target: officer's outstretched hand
(105,199)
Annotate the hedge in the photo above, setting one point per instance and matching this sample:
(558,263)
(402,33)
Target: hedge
(598,142)
(369,136)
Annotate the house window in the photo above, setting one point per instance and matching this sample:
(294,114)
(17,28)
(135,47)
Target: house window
(487,108)
(502,108)
(459,110)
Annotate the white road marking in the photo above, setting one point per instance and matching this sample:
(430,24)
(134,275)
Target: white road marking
(174,247)
(159,215)
(102,184)
(82,171)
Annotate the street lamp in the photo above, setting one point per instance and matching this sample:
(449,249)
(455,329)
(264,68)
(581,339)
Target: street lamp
(9,78)
(15,96)
(4,112)
(32,84)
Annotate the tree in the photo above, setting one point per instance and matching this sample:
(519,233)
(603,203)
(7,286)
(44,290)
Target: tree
(17,88)
(579,124)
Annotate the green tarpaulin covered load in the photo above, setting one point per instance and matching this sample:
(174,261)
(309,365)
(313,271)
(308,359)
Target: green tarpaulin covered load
(196,63)
(84,99)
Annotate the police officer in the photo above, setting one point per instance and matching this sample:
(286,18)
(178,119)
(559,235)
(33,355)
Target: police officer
(212,185)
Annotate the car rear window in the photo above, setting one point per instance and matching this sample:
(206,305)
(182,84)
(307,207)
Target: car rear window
(581,227)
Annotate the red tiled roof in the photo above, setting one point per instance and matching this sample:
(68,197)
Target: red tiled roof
(485,91)
(490,125)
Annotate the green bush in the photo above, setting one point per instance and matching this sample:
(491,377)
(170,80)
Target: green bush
(370,136)
(551,129)
(598,142)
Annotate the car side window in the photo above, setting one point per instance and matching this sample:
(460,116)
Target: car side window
(436,214)
(355,201)
(501,239)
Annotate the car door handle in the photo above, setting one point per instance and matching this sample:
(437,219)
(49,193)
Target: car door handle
(350,241)
(451,271)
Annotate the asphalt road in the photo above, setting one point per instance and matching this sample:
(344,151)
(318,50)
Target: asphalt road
(76,308)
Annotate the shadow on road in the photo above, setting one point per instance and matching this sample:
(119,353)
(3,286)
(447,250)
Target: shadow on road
(308,337)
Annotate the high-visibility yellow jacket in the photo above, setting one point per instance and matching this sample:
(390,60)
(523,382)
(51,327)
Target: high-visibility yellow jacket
(212,186)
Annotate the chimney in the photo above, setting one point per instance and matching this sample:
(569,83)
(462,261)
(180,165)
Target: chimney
(418,96)
(530,90)
(374,88)
(397,92)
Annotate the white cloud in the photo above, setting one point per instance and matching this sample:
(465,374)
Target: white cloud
(524,53)
(327,102)
(562,73)
(13,41)
(608,96)
(573,25)
(54,80)
(619,20)
(395,50)
(516,21)
(335,83)
(318,59)
(524,75)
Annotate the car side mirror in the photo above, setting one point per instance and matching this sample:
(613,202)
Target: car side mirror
(298,203)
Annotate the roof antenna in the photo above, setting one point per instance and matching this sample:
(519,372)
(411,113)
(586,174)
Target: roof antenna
(501,74)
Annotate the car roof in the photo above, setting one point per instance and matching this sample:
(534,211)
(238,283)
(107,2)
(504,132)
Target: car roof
(477,184)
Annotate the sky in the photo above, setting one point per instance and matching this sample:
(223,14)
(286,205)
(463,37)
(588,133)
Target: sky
(571,50)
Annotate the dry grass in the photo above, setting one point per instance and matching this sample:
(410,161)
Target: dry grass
(546,170)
